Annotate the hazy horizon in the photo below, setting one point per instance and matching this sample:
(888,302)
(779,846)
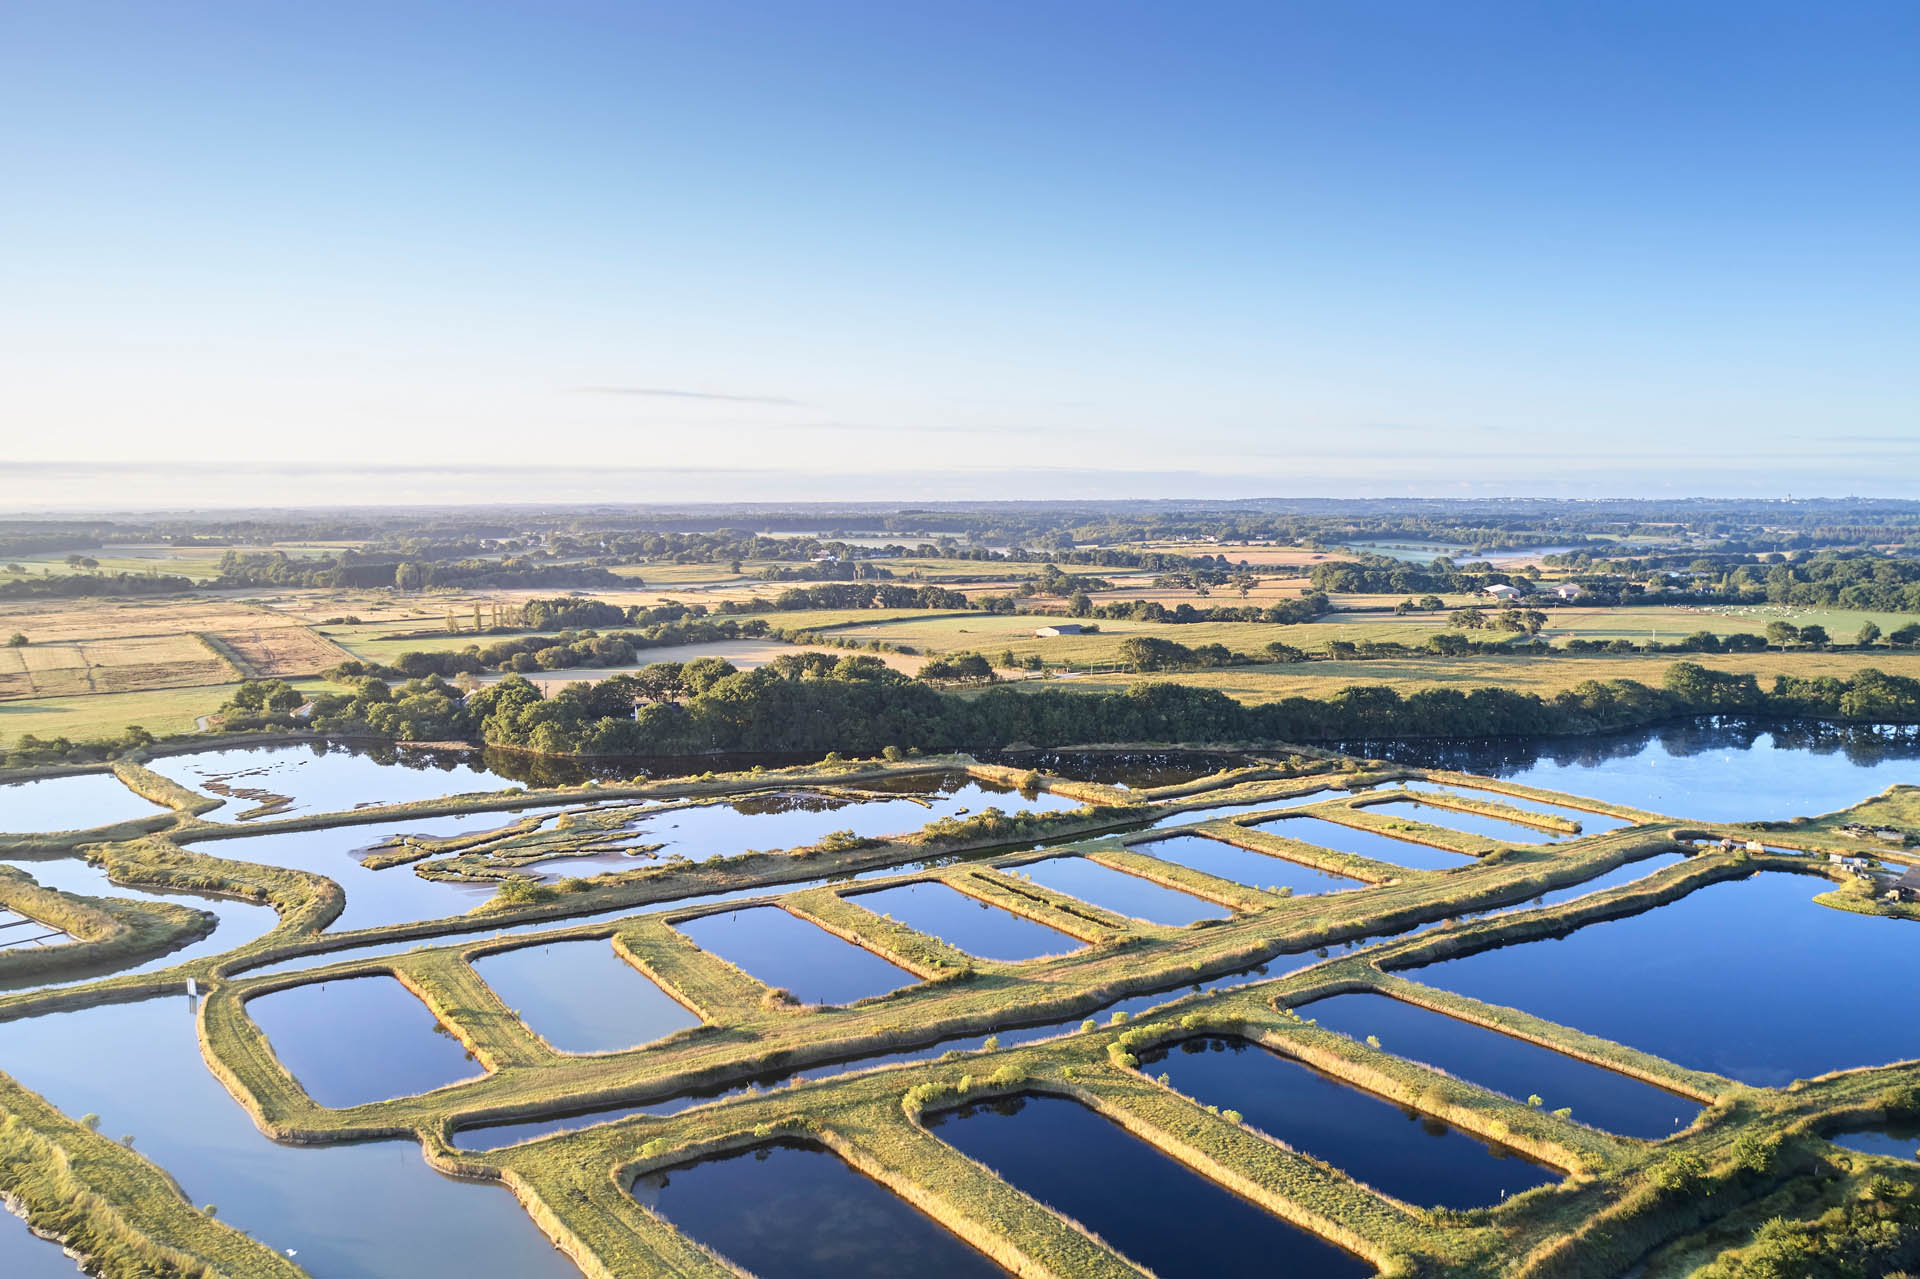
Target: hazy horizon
(1130,251)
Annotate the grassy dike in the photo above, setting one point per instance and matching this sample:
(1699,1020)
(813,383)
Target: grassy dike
(1617,1204)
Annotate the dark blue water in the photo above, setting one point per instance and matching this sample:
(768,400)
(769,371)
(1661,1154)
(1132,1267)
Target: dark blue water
(79,802)
(1746,978)
(788,1211)
(359,1039)
(1119,892)
(1493,828)
(1411,1156)
(1631,873)
(1600,1098)
(789,953)
(581,997)
(25,1255)
(1243,866)
(371,1210)
(1365,843)
(1159,1213)
(967,922)
(1590,823)
(1898,1141)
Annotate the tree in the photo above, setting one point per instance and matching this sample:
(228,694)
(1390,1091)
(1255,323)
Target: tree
(1781,634)
(16,640)
(1814,636)
(1907,636)
(1869,635)
(1467,619)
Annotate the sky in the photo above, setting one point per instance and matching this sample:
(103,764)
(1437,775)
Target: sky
(266,251)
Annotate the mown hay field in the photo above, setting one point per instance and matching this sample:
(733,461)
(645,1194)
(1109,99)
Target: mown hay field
(110,666)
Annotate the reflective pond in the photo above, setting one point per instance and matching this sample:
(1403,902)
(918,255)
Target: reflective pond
(1146,1205)
(792,1211)
(581,997)
(1364,843)
(360,1039)
(788,953)
(237,923)
(974,926)
(79,802)
(1747,978)
(1598,1097)
(1243,866)
(1590,823)
(1405,1153)
(1709,770)
(793,819)
(323,778)
(1630,873)
(1493,828)
(1119,892)
(1896,1141)
(1222,812)
(367,1211)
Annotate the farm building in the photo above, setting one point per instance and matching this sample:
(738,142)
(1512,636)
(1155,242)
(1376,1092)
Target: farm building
(1907,887)
(1501,591)
(1569,590)
(1061,628)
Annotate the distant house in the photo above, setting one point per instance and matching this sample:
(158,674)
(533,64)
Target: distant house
(1907,887)
(1059,628)
(1501,591)
(1569,590)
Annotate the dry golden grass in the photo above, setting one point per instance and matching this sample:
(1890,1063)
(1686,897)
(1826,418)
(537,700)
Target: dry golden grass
(282,651)
(116,665)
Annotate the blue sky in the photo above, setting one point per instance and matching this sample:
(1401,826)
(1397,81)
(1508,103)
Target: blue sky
(1135,250)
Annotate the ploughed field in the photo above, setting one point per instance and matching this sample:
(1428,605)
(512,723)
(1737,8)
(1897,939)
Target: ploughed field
(1242,1014)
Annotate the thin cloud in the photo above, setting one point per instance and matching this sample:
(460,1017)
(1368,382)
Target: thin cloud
(668,393)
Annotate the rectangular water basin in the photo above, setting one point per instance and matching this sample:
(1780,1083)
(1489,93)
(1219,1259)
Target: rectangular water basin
(581,997)
(975,926)
(360,1039)
(1365,843)
(1156,1211)
(789,953)
(1519,1068)
(1591,823)
(1406,1153)
(1244,866)
(792,1211)
(1119,892)
(1494,828)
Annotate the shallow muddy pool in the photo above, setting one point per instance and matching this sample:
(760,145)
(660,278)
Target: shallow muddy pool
(1119,892)
(581,997)
(1243,866)
(1341,838)
(366,1211)
(974,926)
(1748,979)
(1598,1097)
(791,1211)
(788,953)
(80,802)
(1409,1155)
(360,1039)
(1155,1211)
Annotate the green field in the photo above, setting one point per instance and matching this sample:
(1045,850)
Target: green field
(89,717)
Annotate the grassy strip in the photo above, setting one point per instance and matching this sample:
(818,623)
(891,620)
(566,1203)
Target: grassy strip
(103,930)
(124,1216)
(926,957)
(1465,804)
(162,790)
(1226,892)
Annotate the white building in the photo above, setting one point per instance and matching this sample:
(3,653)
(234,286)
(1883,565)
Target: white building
(1501,591)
